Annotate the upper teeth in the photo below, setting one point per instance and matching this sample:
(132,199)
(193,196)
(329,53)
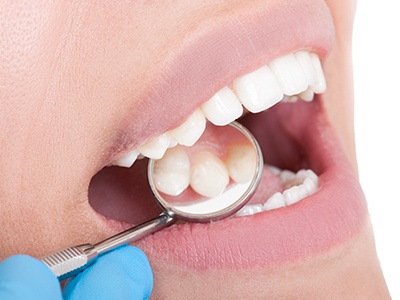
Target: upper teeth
(297,74)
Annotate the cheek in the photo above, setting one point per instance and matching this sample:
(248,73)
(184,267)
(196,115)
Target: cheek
(31,30)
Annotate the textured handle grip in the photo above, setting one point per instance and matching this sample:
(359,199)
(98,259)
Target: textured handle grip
(68,262)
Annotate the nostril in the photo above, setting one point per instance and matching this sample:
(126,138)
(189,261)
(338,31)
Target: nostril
(123,194)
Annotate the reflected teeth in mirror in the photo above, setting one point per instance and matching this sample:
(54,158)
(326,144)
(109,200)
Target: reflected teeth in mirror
(287,79)
(241,162)
(208,175)
(172,172)
(298,186)
(223,108)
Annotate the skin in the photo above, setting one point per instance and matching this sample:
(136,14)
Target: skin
(64,85)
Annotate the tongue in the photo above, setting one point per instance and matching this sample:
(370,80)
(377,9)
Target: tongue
(124,194)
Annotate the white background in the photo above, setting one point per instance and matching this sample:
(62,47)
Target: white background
(376,58)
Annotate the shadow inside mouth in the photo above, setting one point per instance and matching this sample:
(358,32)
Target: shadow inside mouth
(124,194)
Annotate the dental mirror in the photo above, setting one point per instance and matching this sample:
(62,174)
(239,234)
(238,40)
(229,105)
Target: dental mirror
(244,163)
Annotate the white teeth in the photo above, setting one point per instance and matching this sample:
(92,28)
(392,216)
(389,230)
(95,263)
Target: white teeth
(156,147)
(258,90)
(250,209)
(127,160)
(223,108)
(241,162)
(320,86)
(305,61)
(274,202)
(191,130)
(307,95)
(290,75)
(297,186)
(172,172)
(209,176)
(287,79)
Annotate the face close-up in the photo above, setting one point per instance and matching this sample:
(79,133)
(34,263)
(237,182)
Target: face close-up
(89,88)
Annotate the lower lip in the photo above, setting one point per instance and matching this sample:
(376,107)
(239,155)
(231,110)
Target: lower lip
(332,216)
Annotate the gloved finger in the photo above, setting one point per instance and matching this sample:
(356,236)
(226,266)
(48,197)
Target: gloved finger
(24,277)
(121,274)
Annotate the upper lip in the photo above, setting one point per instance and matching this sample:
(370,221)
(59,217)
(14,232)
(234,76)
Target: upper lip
(215,53)
(209,58)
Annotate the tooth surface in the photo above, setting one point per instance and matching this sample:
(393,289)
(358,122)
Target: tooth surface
(172,172)
(258,90)
(307,95)
(156,148)
(304,59)
(241,162)
(249,209)
(191,130)
(209,176)
(274,202)
(320,85)
(289,74)
(126,160)
(223,108)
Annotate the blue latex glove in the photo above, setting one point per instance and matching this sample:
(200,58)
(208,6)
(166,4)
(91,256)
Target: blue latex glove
(24,277)
(122,274)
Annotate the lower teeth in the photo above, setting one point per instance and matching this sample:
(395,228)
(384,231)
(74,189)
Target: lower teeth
(298,186)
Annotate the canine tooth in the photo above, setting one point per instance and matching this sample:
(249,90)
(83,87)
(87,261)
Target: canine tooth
(223,108)
(209,176)
(156,148)
(287,176)
(172,172)
(307,95)
(241,162)
(289,74)
(249,209)
(191,130)
(258,90)
(274,202)
(320,86)
(126,160)
(305,61)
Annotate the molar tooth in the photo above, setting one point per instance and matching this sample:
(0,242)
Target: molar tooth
(126,160)
(258,90)
(191,130)
(241,162)
(275,201)
(156,148)
(249,209)
(209,176)
(223,108)
(172,172)
(320,85)
(289,74)
(307,95)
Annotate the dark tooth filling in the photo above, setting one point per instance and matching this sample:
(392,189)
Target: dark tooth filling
(124,194)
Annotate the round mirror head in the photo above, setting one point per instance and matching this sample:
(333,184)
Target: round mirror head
(211,180)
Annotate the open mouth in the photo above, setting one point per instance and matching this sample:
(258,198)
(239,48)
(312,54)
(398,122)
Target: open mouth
(308,200)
